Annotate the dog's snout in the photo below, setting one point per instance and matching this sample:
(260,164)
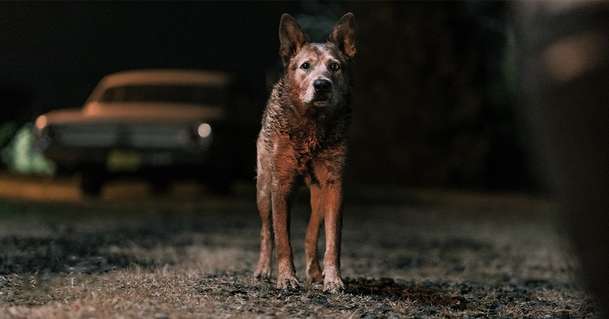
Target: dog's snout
(321,85)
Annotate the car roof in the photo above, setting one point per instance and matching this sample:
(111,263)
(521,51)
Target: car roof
(161,76)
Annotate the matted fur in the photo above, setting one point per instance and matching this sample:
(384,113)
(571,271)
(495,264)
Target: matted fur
(304,133)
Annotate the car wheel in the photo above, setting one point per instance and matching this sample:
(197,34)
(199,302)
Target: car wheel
(221,177)
(91,183)
(63,170)
(216,183)
(160,186)
(220,186)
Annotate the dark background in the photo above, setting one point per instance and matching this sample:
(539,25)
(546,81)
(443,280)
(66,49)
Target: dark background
(433,95)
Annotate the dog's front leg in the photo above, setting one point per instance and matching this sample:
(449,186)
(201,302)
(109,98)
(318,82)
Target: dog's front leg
(332,202)
(282,186)
(263,187)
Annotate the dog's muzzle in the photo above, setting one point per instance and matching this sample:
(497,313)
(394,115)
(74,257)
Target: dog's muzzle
(323,90)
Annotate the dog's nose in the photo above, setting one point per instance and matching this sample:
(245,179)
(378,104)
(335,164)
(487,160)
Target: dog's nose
(322,85)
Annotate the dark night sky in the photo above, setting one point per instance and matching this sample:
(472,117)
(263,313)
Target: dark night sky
(58,51)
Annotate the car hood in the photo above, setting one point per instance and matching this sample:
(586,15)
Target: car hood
(135,112)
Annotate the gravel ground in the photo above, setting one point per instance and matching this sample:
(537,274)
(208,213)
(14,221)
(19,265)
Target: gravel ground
(414,254)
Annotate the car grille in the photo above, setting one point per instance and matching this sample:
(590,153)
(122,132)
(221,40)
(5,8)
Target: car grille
(90,135)
(137,136)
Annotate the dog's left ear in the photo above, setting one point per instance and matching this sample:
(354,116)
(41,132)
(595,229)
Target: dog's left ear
(343,35)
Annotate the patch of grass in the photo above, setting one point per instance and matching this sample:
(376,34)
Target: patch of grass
(192,260)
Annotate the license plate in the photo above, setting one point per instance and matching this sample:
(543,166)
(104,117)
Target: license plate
(123,161)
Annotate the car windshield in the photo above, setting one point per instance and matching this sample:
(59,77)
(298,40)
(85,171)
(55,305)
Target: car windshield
(164,94)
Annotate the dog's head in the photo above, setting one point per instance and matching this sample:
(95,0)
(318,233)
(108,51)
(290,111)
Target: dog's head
(317,74)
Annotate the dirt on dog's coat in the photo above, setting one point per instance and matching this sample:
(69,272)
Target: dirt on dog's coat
(304,132)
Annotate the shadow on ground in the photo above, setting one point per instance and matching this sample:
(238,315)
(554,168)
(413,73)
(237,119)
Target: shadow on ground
(387,297)
(389,288)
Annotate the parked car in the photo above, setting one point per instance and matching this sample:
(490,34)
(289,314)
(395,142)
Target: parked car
(160,124)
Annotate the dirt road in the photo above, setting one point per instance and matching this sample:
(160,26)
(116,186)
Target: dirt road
(414,254)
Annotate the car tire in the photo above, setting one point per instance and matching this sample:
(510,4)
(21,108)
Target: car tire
(160,186)
(92,183)
(219,182)
(220,186)
(63,170)
(222,176)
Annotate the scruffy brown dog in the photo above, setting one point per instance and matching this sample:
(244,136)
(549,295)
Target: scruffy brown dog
(304,135)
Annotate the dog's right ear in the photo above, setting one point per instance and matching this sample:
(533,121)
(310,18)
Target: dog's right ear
(291,38)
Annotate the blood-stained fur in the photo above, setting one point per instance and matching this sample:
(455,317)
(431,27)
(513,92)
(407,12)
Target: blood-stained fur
(304,135)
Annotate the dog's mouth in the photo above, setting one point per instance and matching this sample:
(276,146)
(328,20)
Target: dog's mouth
(322,101)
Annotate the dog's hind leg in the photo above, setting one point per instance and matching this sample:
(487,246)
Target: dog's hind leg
(313,271)
(263,194)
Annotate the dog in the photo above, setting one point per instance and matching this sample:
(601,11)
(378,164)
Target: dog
(304,137)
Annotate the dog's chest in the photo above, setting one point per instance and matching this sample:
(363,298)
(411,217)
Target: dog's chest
(307,142)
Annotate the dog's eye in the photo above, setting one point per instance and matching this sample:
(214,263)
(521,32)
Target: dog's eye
(334,66)
(305,66)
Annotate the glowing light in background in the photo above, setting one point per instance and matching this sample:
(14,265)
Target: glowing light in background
(204,130)
(41,122)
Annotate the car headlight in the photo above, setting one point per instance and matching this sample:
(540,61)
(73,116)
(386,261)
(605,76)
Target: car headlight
(41,122)
(204,130)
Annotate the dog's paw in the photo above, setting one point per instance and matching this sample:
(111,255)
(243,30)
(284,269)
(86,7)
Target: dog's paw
(332,282)
(287,281)
(262,273)
(334,286)
(314,275)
